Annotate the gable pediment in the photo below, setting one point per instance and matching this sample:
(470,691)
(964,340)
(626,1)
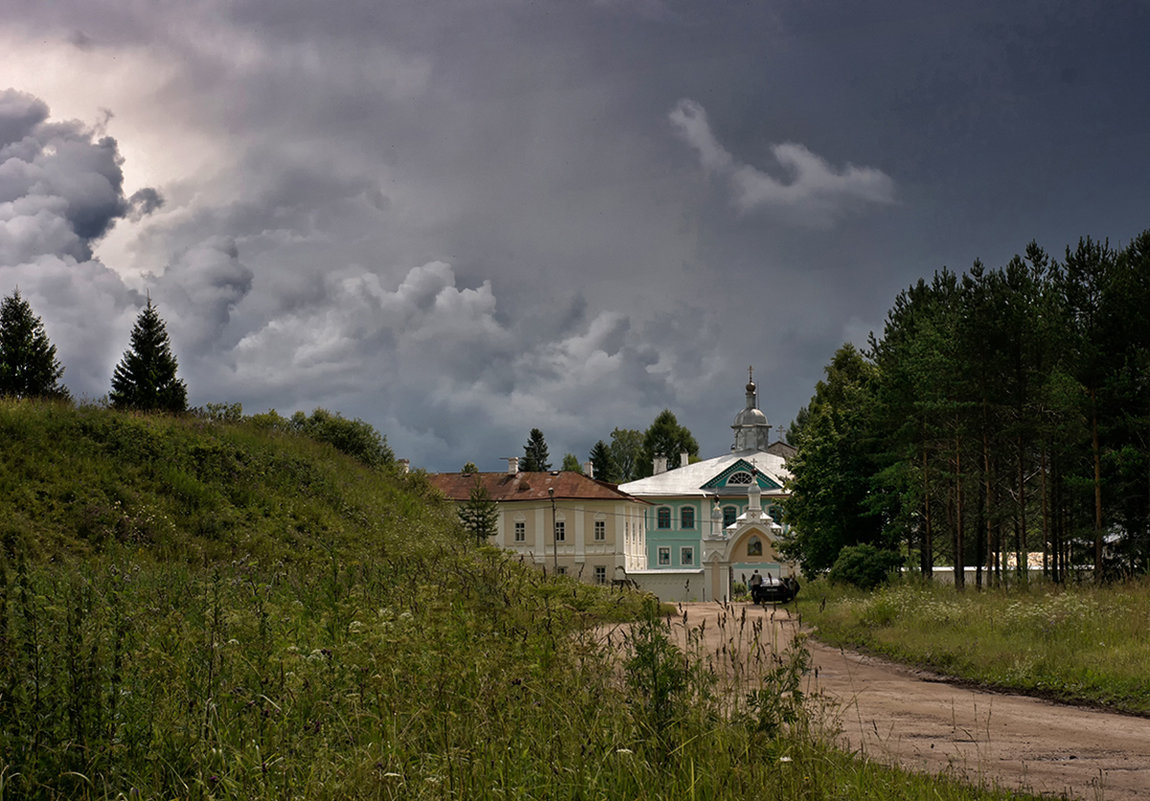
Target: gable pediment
(737,478)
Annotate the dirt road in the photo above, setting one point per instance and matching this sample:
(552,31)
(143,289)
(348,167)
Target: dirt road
(897,715)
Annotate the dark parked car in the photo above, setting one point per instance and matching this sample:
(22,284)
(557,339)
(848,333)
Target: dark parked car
(775,590)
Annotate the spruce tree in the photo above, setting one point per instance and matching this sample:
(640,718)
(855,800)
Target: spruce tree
(28,366)
(603,463)
(535,453)
(480,515)
(146,377)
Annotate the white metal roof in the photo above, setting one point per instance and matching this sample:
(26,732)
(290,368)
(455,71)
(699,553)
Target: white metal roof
(689,480)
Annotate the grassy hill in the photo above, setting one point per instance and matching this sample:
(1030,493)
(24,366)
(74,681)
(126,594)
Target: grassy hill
(198,609)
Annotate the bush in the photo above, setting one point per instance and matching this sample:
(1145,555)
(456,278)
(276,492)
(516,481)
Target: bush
(353,437)
(864,566)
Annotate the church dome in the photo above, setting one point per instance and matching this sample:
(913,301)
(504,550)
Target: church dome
(750,417)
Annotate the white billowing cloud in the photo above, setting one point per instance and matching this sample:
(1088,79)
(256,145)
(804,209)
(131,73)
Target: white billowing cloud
(61,189)
(811,191)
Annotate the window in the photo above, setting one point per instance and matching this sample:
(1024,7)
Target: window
(562,570)
(664,555)
(600,531)
(741,477)
(687,517)
(600,574)
(729,515)
(560,531)
(664,517)
(755,547)
(687,555)
(520,531)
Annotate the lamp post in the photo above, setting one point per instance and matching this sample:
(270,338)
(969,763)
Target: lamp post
(554,530)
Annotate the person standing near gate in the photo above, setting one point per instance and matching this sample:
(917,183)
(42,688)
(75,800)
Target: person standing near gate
(756,583)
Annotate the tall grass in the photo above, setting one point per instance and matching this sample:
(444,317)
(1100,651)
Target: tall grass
(1077,643)
(245,615)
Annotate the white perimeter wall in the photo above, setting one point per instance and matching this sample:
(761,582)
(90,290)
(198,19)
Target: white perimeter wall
(671,585)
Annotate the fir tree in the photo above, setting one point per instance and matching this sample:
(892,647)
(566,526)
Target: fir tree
(146,377)
(28,366)
(535,453)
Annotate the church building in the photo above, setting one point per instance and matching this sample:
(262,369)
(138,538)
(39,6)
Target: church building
(712,523)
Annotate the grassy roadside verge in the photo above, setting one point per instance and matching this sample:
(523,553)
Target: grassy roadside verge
(1076,644)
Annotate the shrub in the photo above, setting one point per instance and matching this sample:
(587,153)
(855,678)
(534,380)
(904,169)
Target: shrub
(864,566)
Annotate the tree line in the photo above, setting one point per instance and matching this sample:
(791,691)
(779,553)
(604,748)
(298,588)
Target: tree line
(628,456)
(145,379)
(1001,413)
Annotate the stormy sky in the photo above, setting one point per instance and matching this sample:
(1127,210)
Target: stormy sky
(462,220)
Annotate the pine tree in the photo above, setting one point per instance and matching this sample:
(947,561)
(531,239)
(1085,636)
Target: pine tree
(146,377)
(535,453)
(28,366)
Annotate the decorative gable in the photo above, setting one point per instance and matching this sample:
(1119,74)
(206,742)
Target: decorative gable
(737,478)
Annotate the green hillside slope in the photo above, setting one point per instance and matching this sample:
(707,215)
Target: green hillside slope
(86,480)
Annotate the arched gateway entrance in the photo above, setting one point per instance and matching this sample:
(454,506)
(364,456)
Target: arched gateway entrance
(732,553)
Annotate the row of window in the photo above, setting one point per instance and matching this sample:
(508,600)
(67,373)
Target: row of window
(561,531)
(600,573)
(687,516)
(686,555)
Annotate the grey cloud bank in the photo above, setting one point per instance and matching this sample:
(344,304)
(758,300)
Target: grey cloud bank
(459,221)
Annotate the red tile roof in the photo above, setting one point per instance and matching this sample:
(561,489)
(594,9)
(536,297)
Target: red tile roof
(504,487)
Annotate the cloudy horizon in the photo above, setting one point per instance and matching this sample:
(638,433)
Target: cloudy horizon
(460,221)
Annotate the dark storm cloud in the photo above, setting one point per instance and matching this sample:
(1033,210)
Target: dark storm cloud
(461,220)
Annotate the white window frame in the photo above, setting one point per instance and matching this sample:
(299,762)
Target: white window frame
(687,555)
(600,531)
(664,555)
(520,531)
(600,574)
(561,531)
(684,512)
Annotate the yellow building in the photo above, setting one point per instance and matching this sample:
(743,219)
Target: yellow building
(560,520)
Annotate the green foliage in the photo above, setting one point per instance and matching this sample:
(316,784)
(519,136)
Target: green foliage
(1007,411)
(666,438)
(28,365)
(480,515)
(603,464)
(535,458)
(145,379)
(627,453)
(864,566)
(831,485)
(571,463)
(353,437)
(469,468)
